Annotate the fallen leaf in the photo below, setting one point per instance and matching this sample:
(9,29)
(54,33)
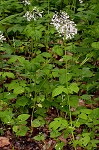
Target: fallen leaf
(4,142)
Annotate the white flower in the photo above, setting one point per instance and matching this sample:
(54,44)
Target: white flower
(80,1)
(28,15)
(64,25)
(26,2)
(34,14)
(2,37)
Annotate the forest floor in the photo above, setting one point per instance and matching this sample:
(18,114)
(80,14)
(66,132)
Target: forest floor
(9,141)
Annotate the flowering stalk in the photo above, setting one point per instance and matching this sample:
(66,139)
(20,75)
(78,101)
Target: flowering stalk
(64,26)
(67,29)
(34,14)
(26,2)
(2,38)
(80,1)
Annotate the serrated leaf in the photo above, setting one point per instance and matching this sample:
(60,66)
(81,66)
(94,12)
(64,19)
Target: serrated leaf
(86,140)
(22,101)
(8,18)
(46,54)
(95,113)
(74,87)
(8,74)
(58,123)
(67,57)
(12,59)
(53,124)
(74,100)
(57,91)
(19,90)
(83,116)
(58,50)
(55,134)
(86,111)
(77,124)
(86,72)
(12,85)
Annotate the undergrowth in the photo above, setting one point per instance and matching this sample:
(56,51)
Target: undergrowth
(43,68)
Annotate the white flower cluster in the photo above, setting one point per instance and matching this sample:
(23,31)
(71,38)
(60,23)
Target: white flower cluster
(34,14)
(80,1)
(2,37)
(64,25)
(26,2)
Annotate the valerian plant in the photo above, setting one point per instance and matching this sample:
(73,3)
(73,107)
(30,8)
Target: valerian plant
(49,60)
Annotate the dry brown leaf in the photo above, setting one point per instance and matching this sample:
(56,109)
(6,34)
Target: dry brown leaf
(4,142)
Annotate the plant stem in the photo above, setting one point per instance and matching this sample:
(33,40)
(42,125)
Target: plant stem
(68,98)
(47,39)
(34,100)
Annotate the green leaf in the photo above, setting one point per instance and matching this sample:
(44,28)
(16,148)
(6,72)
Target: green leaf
(22,101)
(59,146)
(86,72)
(86,97)
(20,130)
(80,9)
(21,60)
(58,123)
(57,91)
(96,122)
(58,50)
(55,73)
(15,128)
(9,95)
(95,45)
(86,111)
(8,18)
(19,90)
(6,117)
(12,85)
(86,140)
(55,124)
(12,59)
(77,124)
(8,74)
(74,88)
(23,117)
(39,137)
(95,113)
(54,134)
(83,116)
(74,100)
(46,54)
(8,49)
(36,123)
(94,142)
(67,57)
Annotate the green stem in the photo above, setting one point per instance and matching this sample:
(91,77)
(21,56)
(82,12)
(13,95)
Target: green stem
(47,39)
(68,97)
(34,100)
(2,82)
